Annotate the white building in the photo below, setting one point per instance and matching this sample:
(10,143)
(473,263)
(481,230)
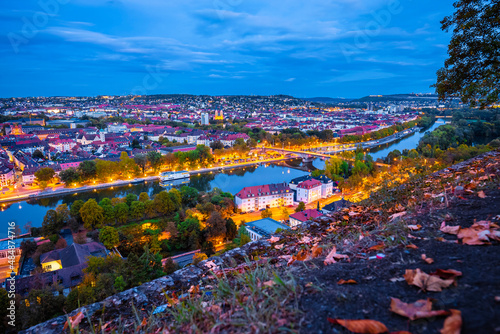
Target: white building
(309,191)
(62,145)
(256,198)
(117,128)
(302,216)
(204,119)
(6,175)
(326,186)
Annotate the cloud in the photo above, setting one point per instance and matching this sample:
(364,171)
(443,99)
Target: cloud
(290,79)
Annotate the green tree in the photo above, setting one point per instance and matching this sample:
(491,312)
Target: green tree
(472,68)
(121,213)
(154,159)
(137,210)
(87,170)
(163,203)
(92,214)
(50,224)
(44,175)
(300,207)
(285,214)
(63,215)
(69,176)
(143,197)
(37,154)
(189,196)
(74,210)
(141,160)
(216,226)
(130,198)
(231,229)
(108,213)
(109,237)
(119,284)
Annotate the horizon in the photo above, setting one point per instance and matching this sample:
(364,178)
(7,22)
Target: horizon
(339,50)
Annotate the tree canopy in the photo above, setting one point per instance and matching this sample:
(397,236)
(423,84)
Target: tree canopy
(472,69)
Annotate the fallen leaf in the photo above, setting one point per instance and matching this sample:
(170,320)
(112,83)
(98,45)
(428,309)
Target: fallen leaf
(194,289)
(481,194)
(420,309)
(447,274)
(302,255)
(349,281)
(361,326)
(279,246)
(412,246)
(449,229)
(425,281)
(396,215)
(427,259)
(377,247)
(268,283)
(74,320)
(330,258)
(273,239)
(305,240)
(414,227)
(144,322)
(316,251)
(453,324)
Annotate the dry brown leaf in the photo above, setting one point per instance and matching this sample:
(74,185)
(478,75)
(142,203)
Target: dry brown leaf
(447,274)
(361,326)
(377,247)
(449,229)
(330,258)
(415,227)
(411,246)
(427,259)
(194,289)
(273,239)
(268,283)
(425,281)
(417,310)
(74,320)
(481,194)
(316,251)
(396,215)
(279,246)
(144,322)
(349,281)
(453,324)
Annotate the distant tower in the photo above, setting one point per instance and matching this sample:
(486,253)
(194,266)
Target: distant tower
(219,116)
(102,136)
(204,119)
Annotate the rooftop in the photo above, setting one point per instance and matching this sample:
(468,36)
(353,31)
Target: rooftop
(266,226)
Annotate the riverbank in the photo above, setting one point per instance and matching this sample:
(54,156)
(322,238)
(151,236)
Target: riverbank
(61,190)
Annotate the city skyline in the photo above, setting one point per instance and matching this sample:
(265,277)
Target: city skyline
(342,49)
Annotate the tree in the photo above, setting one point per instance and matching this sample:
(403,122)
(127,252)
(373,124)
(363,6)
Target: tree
(137,210)
(87,170)
(69,176)
(216,226)
(143,197)
(141,160)
(92,214)
(285,214)
(163,204)
(109,213)
(63,215)
(300,207)
(121,213)
(130,198)
(37,154)
(109,237)
(472,68)
(189,196)
(44,176)
(50,223)
(198,257)
(154,159)
(266,214)
(231,229)
(74,210)
(216,145)
(170,266)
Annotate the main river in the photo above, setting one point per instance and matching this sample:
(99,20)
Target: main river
(231,181)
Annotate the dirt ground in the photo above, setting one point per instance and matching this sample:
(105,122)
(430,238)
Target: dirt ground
(474,295)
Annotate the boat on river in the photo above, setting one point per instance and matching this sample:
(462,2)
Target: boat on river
(171,176)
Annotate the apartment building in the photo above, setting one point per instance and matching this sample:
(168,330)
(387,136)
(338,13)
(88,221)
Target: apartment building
(256,198)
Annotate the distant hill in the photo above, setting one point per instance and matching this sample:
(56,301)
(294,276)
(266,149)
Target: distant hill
(326,100)
(397,97)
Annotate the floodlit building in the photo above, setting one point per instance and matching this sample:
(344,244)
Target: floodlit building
(302,216)
(309,191)
(204,119)
(256,198)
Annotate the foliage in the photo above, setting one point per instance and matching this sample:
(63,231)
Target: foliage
(109,237)
(300,207)
(198,257)
(471,70)
(92,214)
(267,213)
(69,176)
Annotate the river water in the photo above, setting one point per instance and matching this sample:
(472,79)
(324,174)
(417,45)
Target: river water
(231,181)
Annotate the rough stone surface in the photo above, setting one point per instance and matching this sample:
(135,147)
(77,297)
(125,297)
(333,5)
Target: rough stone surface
(146,295)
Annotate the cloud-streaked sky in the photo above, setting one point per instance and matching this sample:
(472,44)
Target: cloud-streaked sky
(336,48)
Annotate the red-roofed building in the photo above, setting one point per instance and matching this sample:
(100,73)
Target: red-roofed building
(256,198)
(309,191)
(303,216)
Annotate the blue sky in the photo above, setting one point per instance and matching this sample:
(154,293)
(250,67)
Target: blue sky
(337,48)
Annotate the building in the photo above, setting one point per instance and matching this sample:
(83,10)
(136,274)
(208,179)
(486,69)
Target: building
(7,176)
(326,185)
(219,115)
(309,191)
(263,228)
(9,248)
(335,206)
(62,145)
(204,119)
(295,182)
(302,216)
(256,198)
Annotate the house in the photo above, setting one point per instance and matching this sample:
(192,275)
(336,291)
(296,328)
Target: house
(302,216)
(62,145)
(326,185)
(295,182)
(6,174)
(263,228)
(335,206)
(308,191)
(256,198)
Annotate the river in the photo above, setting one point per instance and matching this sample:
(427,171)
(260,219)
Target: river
(231,181)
